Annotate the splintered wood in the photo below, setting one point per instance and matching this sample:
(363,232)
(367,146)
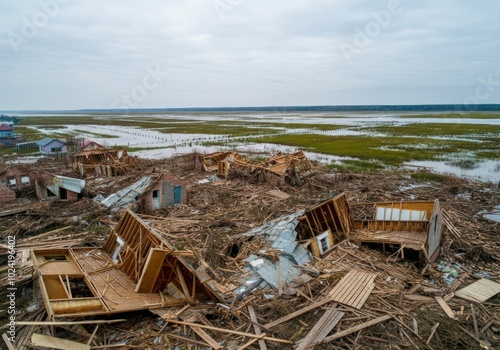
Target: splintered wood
(354,296)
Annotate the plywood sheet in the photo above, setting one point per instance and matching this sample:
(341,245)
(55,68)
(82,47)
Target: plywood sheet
(479,291)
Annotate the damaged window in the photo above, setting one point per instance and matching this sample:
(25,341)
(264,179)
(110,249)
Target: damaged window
(323,242)
(25,180)
(11,181)
(119,246)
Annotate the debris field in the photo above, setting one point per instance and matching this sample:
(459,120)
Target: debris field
(219,252)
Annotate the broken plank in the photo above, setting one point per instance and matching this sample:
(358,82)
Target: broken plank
(251,341)
(297,313)
(223,330)
(321,329)
(48,341)
(63,323)
(433,330)
(256,328)
(7,341)
(206,337)
(188,340)
(357,328)
(445,307)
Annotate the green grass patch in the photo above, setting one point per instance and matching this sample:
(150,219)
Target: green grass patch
(24,152)
(390,150)
(357,165)
(28,134)
(439,129)
(427,176)
(457,116)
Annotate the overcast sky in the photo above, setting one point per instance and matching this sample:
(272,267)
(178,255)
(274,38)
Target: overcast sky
(74,54)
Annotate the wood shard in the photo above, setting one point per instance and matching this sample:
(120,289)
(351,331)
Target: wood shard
(47,341)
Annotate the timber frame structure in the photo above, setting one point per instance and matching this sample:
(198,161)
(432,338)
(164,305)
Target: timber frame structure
(137,269)
(325,224)
(106,162)
(415,225)
(281,168)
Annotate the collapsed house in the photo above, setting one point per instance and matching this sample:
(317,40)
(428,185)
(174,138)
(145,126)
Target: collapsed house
(281,248)
(281,168)
(149,193)
(137,269)
(403,226)
(55,187)
(106,162)
(17,177)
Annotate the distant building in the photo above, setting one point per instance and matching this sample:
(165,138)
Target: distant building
(89,145)
(51,146)
(6,131)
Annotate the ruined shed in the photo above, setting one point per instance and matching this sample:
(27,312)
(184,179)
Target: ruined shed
(105,162)
(405,225)
(137,269)
(149,193)
(55,187)
(279,169)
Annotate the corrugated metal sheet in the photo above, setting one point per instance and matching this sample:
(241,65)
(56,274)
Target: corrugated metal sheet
(281,235)
(127,195)
(71,184)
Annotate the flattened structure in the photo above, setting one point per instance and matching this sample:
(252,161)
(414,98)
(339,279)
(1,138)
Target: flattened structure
(107,162)
(137,269)
(415,225)
(279,169)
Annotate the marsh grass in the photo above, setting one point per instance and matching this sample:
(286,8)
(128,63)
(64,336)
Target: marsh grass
(357,165)
(439,129)
(390,150)
(382,145)
(428,176)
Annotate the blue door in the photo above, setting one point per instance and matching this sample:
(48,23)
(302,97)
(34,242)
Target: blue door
(177,194)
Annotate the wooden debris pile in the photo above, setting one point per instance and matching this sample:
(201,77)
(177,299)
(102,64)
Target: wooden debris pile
(355,297)
(105,162)
(279,169)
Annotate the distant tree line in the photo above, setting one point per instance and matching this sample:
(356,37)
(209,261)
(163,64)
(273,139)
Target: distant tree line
(6,118)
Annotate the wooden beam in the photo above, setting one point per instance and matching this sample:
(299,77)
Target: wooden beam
(6,339)
(222,330)
(256,328)
(206,337)
(297,313)
(357,328)
(47,341)
(67,323)
(445,307)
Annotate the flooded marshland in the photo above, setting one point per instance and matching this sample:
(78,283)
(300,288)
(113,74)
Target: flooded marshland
(463,144)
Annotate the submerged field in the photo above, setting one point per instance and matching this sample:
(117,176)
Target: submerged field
(467,142)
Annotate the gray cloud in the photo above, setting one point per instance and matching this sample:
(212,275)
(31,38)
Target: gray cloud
(86,54)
